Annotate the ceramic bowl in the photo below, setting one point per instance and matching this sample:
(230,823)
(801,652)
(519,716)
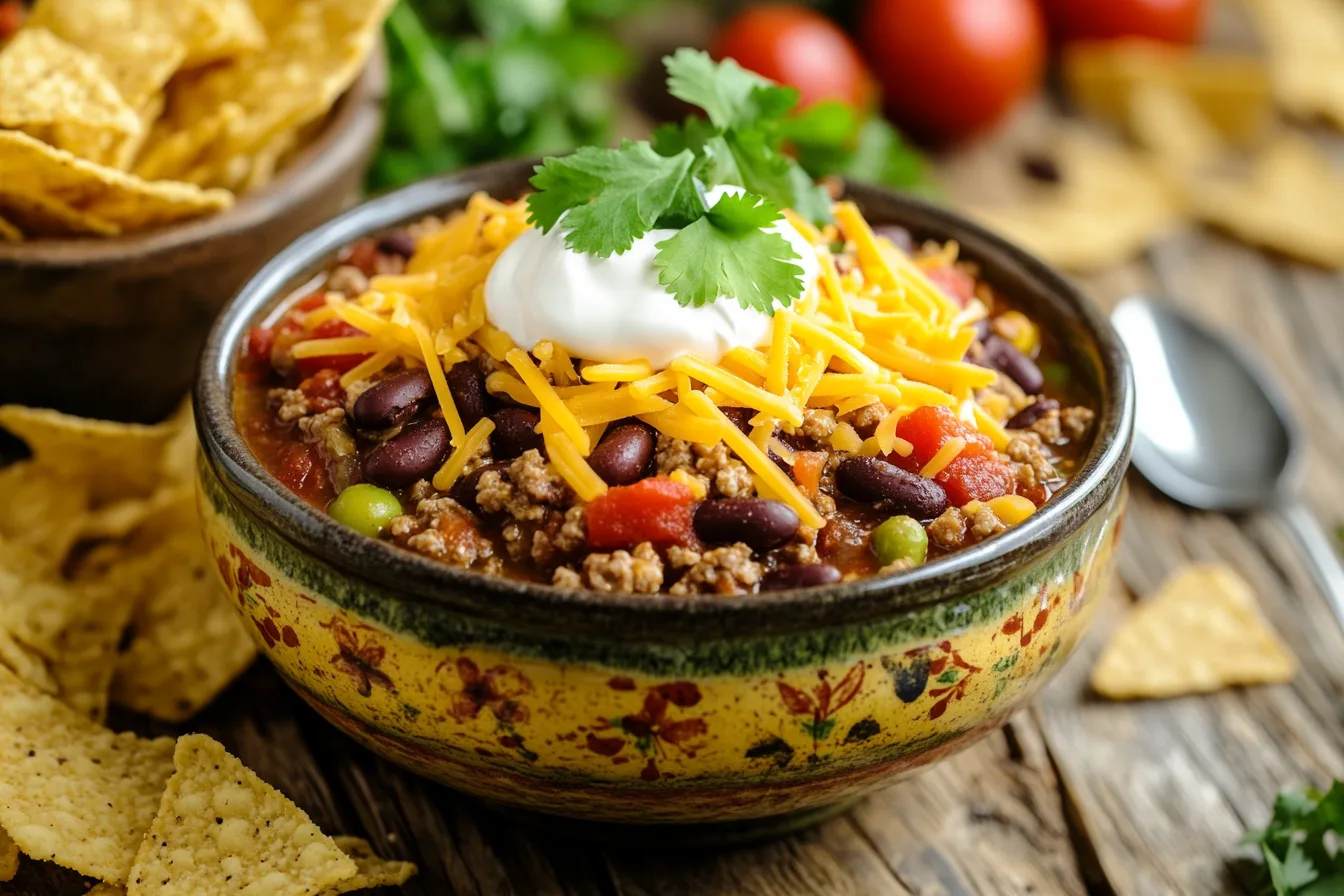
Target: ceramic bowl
(131,313)
(649,715)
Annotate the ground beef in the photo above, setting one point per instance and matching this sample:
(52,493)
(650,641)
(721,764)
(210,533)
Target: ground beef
(1047,427)
(1027,448)
(949,530)
(1008,388)
(289,404)
(899,565)
(1076,422)
(865,419)
(818,424)
(984,523)
(672,455)
(727,476)
(348,280)
(328,433)
(679,557)
(727,570)
(626,572)
(442,529)
(422,490)
(352,393)
(529,489)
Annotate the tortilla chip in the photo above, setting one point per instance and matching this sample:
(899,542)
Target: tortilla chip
(187,642)
(1232,91)
(9,232)
(125,200)
(25,663)
(44,216)
(1293,203)
(9,857)
(72,792)
(1201,632)
(373,871)
(1305,44)
(1111,205)
(171,153)
(215,30)
(221,829)
(315,50)
(1173,130)
(136,43)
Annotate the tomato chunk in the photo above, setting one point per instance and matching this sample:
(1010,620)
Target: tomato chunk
(260,340)
(656,510)
(975,474)
(331,329)
(807,469)
(958,285)
(976,478)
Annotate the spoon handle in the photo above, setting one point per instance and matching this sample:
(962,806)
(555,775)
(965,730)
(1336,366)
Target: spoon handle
(1325,563)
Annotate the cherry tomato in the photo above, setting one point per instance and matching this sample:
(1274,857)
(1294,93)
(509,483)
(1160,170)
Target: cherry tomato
(1171,21)
(952,68)
(655,510)
(799,47)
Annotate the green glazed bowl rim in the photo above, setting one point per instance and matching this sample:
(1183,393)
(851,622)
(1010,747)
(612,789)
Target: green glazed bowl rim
(1055,302)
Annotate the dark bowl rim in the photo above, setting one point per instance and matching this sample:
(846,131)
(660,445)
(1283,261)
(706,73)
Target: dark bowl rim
(304,175)
(411,576)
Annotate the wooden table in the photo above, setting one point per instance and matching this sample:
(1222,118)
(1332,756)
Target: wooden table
(1074,796)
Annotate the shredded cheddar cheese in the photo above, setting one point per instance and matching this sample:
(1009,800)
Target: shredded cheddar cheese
(880,333)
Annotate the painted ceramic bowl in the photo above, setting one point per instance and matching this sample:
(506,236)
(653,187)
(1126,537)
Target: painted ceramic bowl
(746,714)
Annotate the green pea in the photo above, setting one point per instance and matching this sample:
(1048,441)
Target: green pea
(900,538)
(365,508)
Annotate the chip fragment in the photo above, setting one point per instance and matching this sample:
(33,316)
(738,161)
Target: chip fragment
(9,857)
(72,792)
(1201,632)
(221,829)
(9,232)
(373,871)
(1305,44)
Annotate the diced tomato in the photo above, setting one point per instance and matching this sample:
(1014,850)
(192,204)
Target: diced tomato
(807,470)
(331,329)
(954,282)
(11,18)
(656,510)
(979,477)
(364,256)
(323,390)
(260,341)
(311,302)
(296,462)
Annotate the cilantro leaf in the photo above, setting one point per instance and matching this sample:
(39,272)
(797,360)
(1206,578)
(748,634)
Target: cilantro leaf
(612,197)
(1299,859)
(731,96)
(729,253)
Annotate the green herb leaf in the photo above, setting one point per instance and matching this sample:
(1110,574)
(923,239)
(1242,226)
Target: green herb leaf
(1296,844)
(729,253)
(612,196)
(731,96)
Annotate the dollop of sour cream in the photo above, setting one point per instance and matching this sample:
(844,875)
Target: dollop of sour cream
(614,309)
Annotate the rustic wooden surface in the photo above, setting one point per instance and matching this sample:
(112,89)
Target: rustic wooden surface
(1074,796)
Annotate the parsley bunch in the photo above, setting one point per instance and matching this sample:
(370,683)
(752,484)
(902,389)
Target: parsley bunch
(1301,843)
(608,198)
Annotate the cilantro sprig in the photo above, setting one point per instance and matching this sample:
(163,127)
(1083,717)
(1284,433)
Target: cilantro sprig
(605,199)
(1300,845)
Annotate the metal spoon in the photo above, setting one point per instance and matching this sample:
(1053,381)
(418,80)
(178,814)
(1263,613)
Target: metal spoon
(1214,432)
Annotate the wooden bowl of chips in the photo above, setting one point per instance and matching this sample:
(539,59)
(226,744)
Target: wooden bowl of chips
(113,327)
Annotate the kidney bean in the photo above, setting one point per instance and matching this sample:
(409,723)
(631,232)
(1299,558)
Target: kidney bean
(623,454)
(803,576)
(411,455)
(392,399)
(1003,356)
(464,489)
(398,242)
(467,384)
(982,329)
(515,432)
(898,235)
(1031,413)
(872,480)
(741,417)
(759,522)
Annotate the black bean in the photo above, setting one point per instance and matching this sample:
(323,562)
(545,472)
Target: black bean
(1032,412)
(1003,356)
(464,489)
(741,417)
(898,235)
(805,575)
(761,523)
(398,242)
(1041,167)
(391,400)
(872,480)
(515,432)
(411,455)
(467,384)
(623,455)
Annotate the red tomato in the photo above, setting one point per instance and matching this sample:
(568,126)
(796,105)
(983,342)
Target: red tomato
(11,17)
(654,510)
(927,428)
(260,340)
(1171,21)
(976,474)
(976,478)
(799,47)
(331,329)
(954,282)
(951,68)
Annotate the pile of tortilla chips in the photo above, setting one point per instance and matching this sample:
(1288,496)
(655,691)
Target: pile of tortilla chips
(121,115)
(1205,146)
(1201,632)
(107,595)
